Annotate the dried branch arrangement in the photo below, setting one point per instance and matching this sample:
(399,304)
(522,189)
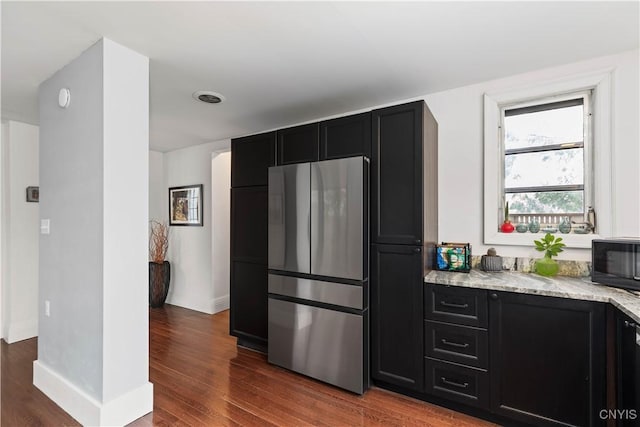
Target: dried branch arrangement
(158,241)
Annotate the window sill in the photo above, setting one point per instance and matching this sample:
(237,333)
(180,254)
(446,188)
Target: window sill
(526,239)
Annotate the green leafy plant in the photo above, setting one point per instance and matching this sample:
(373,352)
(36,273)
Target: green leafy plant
(550,245)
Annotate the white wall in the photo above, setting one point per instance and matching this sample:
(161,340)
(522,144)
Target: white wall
(459,113)
(190,248)
(19,232)
(93,348)
(158,210)
(221,229)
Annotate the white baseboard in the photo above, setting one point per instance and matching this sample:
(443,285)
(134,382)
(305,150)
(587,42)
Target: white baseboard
(220,304)
(87,410)
(22,330)
(201,306)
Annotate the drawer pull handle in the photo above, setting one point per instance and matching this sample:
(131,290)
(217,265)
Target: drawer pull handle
(454,344)
(454,383)
(628,324)
(453,304)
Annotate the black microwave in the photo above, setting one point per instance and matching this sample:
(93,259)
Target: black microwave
(616,262)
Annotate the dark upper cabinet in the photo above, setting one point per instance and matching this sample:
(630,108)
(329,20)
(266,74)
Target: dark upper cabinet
(628,369)
(547,357)
(404,175)
(248,294)
(298,144)
(397,316)
(346,137)
(249,206)
(250,158)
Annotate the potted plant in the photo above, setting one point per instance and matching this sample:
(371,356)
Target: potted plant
(551,246)
(159,267)
(507,227)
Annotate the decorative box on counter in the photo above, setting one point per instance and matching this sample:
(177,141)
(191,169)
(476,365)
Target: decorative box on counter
(453,257)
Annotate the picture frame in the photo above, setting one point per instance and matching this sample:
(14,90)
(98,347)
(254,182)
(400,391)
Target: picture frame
(453,257)
(186,205)
(33,194)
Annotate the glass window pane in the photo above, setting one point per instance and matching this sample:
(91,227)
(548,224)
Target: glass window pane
(550,202)
(548,127)
(558,167)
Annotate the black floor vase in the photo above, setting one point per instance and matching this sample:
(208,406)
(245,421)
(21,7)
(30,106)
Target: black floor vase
(159,276)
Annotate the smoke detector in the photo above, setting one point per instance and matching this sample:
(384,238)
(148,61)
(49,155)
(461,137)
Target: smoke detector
(208,96)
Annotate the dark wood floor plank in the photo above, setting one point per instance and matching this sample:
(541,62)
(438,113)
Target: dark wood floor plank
(201,378)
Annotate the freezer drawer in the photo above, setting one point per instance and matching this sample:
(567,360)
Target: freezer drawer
(323,344)
(338,218)
(289,221)
(317,290)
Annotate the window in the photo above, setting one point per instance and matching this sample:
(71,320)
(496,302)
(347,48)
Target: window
(546,168)
(547,151)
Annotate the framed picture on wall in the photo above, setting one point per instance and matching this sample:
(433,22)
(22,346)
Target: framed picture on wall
(33,194)
(185,205)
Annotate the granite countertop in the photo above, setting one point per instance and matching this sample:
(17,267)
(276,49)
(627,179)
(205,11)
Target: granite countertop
(581,288)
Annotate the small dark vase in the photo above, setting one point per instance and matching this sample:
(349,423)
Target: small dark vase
(159,276)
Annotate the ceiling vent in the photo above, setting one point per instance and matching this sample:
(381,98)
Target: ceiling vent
(208,96)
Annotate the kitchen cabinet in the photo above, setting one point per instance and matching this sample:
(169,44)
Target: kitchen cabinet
(547,357)
(396,315)
(404,175)
(346,137)
(250,158)
(627,370)
(249,224)
(298,144)
(248,301)
(456,345)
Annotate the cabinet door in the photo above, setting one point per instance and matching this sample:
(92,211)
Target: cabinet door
(547,359)
(250,158)
(249,216)
(396,175)
(628,369)
(248,294)
(396,316)
(298,144)
(346,137)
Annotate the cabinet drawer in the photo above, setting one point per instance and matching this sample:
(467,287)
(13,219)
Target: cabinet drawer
(463,306)
(460,344)
(458,383)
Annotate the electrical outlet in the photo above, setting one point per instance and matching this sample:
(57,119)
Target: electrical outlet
(47,308)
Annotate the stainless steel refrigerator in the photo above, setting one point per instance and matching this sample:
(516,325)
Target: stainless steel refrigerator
(319,270)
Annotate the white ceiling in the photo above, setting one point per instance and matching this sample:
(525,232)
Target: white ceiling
(283,63)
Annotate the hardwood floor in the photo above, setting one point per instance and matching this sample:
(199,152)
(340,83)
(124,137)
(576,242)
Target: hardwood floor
(201,378)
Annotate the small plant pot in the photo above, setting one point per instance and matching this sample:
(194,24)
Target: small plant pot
(547,267)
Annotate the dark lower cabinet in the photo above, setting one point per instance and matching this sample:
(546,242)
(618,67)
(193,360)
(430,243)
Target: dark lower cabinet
(248,293)
(547,358)
(628,371)
(396,316)
(346,137)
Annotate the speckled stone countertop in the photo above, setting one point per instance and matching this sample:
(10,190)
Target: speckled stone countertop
(581,288)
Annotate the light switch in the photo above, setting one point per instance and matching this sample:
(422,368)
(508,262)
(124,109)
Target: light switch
(44,226)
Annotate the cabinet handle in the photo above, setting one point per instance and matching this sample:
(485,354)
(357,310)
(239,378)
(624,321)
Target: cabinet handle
(454,383)
(628,324)
(494,296)
(454,344)
(418,241)
(453,304)
(417,250)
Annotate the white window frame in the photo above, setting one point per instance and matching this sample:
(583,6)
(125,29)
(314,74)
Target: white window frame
(600,84)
